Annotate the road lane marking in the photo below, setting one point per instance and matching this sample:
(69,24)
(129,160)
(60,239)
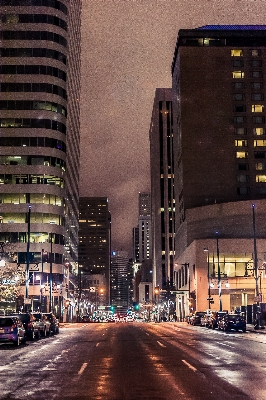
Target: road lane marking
(161,344)
(84,365)
(189,365)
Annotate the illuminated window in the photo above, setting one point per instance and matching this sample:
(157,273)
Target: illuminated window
(237,53)
(238,74)
(241,143)
(240,131)
(258,131)
(257,108)
(259,143)
(260,178)
(241,154)
(260,166)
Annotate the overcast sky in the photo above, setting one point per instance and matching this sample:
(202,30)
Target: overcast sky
(127,52)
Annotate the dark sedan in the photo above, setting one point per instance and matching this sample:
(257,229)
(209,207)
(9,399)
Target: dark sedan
(232,322)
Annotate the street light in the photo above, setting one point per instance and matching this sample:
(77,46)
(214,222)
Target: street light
(209,287)
(219,273)
(28,256)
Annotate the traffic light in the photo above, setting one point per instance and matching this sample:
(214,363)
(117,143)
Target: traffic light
(112,308)
(136,306)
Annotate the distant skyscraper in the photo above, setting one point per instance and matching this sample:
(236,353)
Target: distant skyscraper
(162,188)
(142,233)
(121,276)
(39,147)
(94,242)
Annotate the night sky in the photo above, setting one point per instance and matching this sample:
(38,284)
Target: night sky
(127,52)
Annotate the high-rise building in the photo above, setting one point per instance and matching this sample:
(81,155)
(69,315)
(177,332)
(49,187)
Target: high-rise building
(121,285)
(39,147)
(218,76)
(162,189)
(94,244)
(142,233)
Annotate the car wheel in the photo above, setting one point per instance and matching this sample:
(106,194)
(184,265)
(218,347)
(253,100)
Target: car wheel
(37,335)
(44,333)
(244,330)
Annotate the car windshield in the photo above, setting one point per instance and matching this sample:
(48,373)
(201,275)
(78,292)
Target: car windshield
(6,322)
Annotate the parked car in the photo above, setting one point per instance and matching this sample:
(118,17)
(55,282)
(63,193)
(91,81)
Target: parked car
(195,319)
(12,330)
(43,324)
(232,322)
(54,322)
(205,319)
(215,317)
(30,324)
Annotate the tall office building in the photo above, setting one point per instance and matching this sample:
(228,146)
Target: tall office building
(121,281)
(39,147)
(142,233)
(94,244)
(219,85)
(162,189)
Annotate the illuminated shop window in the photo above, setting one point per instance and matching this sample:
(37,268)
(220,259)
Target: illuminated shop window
(237,53)
(241,154)
(259,143)
(260,178)
(258,131)
(241,143)
(257,108)
(238,74)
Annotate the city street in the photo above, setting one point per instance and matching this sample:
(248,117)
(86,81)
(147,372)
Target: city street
(126,361)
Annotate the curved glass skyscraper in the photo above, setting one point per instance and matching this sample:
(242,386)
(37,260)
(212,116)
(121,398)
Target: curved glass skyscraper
(39,143)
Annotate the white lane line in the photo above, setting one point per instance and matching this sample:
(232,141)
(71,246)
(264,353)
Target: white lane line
(84,365)
(189,365)
(161,344)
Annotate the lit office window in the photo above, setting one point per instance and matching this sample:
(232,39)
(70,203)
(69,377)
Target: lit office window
(241,143)
(257,108)
(260,166)
(237,53)
(255,52)
(259,143)
(260,178)
(258,131)
(238,74)
(241,154)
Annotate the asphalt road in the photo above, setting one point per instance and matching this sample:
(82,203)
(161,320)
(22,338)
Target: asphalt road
(131,361)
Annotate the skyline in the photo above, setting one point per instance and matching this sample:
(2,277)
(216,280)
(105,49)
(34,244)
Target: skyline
(128,49)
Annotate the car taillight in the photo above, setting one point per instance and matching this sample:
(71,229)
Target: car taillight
(29,325)
(12,328)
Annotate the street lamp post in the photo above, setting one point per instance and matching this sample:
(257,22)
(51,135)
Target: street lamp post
(209,287)
(28,257)
(51,275)
(219,273)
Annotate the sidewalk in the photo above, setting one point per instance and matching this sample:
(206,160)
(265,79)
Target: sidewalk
(250,328)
